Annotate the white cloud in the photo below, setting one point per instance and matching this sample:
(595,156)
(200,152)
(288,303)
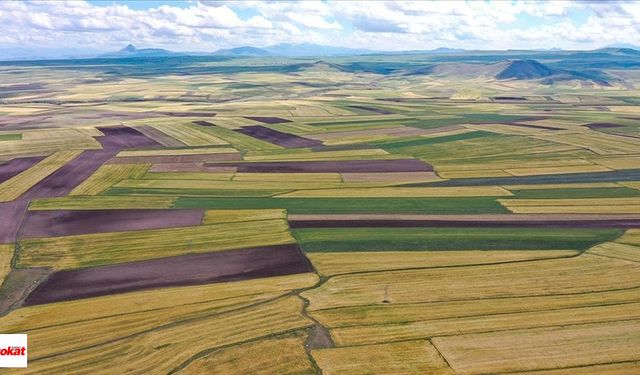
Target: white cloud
(389,25)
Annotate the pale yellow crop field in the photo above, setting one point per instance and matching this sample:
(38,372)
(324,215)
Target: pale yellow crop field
(334,263)
(543,348)
(101,202)
(415,357)
(6,254)
(108,175)
(273,355)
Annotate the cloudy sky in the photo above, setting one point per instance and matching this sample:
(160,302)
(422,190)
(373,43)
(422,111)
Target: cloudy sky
(207,25)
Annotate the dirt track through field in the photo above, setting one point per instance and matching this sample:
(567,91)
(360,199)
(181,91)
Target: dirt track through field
(196,269)
(68,222)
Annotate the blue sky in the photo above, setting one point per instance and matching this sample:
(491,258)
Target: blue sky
(207,25)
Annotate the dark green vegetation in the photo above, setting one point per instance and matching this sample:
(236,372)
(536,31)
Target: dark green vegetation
(356,205)
(575,193)
(416,239)
(10,137)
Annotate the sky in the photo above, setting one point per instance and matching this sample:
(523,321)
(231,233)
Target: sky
(207,25)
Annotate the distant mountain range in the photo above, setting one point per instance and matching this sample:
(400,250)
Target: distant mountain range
(281,49)
(276,50)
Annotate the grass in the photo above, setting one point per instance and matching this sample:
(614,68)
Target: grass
(416,239)
(353,205)
(613,192)
(11,137)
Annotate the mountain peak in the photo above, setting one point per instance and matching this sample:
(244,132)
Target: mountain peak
(129,48)
(525,69)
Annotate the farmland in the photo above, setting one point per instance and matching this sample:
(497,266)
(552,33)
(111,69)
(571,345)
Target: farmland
(349,216)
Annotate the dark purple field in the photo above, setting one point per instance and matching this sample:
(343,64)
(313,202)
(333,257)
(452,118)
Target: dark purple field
(542,127)
(65,179)
(379,111)
(602,125)
(117,138)
(15,166)
(595,223)
(267,120)
(189,114)
(11,214)
(194,269)
(277,137)
(69,222)
(344,166)
(204,123)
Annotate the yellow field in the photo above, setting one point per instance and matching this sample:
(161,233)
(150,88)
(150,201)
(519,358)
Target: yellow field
(108,175)
(290,155)
(19,184)
(556,170)
(370,334)
(544,348)
(464,191)
(573,206)
(100,202)
(189,134)
(215,176)
(334,263)
(554,276)
(379,315)
(178,152)
(630,237)
(272,185)
(117,247)
(273,355)
(46,146)
(617,250)
(415,357)
(288,177)
(233,216)
(170,345)
(6,254)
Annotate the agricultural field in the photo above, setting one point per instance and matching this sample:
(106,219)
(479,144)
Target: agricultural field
(355,215)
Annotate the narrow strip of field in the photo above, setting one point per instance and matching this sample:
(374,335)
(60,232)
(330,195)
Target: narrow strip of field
(195,269)
(268,120)
(345,166)
(464,221)
(67,222)
(279,138)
